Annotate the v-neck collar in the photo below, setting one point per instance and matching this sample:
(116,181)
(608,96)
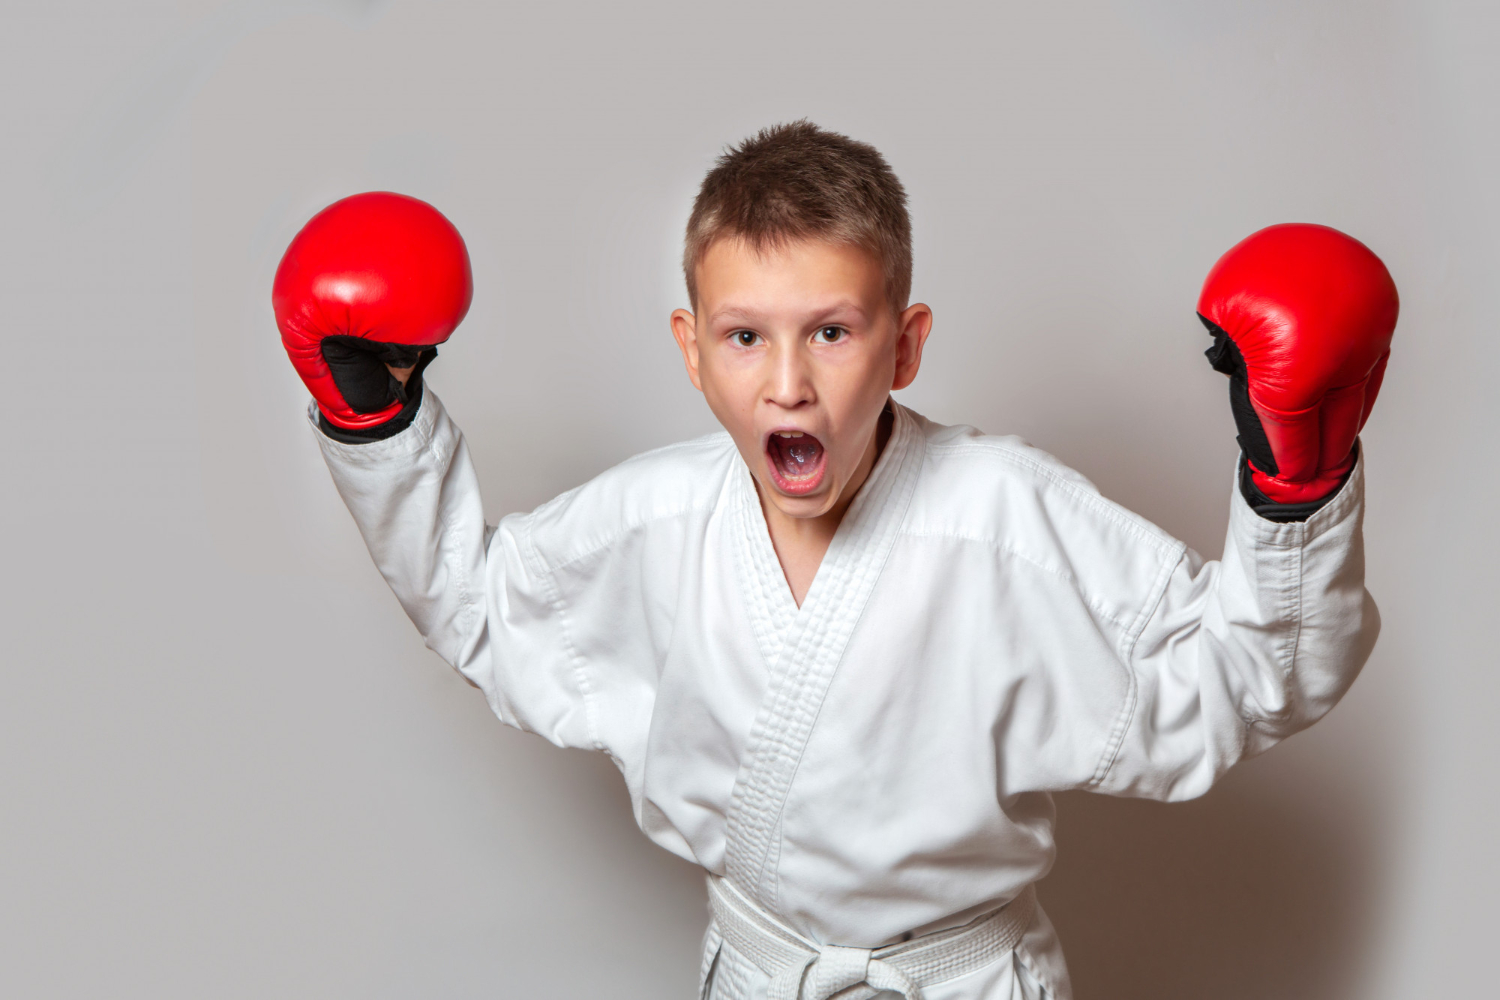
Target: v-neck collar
(803,647)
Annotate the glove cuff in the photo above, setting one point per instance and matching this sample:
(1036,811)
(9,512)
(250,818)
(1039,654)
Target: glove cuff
(1283,513)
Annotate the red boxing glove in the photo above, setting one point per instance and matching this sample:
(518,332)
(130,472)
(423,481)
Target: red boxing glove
(1302,318)
(373,279)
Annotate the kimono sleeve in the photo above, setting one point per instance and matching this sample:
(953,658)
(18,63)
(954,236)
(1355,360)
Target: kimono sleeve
(479,596)
(1239,653)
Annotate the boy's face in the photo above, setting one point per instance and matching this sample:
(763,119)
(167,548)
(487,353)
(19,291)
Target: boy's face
(796,350)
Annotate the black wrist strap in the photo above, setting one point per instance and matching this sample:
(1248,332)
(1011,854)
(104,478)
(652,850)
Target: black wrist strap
(410,394)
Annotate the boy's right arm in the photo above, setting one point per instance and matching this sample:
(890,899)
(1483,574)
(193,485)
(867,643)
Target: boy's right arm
(363,296)
(482,597)
(415,498)
(475,593)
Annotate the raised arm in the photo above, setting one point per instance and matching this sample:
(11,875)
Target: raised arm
(479,596)
(363,296)
(1240,653)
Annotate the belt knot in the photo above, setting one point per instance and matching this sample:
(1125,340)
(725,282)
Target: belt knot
(802,970)
(835,969)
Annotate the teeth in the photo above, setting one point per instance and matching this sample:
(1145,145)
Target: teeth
(789,434)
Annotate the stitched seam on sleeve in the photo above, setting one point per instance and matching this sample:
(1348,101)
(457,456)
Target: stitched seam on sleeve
(453,557)
(1293,642)
(580,666)
(1288,595)
(1127,658)
(1291,660)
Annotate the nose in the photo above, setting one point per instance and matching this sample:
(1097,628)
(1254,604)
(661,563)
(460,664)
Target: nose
(790,385)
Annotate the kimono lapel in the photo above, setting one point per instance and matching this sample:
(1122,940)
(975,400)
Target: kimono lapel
(803,647)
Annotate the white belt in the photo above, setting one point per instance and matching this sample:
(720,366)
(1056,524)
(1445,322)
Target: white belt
(801,970)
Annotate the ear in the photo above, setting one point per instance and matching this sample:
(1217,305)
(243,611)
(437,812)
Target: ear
(913,325)
(685,331)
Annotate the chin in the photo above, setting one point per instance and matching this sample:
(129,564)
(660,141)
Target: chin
(815,505)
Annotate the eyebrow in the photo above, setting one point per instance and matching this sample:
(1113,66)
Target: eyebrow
(736,312)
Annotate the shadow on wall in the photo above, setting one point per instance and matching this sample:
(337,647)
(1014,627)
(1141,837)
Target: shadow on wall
(1248,892)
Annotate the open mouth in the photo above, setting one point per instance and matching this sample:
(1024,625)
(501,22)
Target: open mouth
(796,461)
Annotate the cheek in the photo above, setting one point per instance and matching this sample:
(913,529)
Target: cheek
(856,393)
(731,395)
(862,380)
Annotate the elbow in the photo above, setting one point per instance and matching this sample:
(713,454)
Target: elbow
(1329,664)
(1327,661)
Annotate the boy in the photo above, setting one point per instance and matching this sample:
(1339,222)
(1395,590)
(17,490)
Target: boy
(841,654)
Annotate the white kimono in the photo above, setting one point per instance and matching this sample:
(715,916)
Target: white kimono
(985,629)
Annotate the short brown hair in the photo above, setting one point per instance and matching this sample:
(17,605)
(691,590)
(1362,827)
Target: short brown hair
(798,181)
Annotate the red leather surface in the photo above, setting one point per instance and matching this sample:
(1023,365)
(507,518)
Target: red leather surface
(1312,311)
(378,265)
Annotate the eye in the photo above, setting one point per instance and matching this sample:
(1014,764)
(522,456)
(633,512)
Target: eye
(830,334)
(746,338)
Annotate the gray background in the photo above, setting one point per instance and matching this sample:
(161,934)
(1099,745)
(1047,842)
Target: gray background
(228,768)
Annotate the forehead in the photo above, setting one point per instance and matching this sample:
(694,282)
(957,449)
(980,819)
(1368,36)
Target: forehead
(794,276)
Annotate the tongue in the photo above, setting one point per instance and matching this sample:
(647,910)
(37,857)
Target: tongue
(798,456)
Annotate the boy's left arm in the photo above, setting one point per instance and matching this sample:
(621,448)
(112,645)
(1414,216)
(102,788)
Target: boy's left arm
(1240,653)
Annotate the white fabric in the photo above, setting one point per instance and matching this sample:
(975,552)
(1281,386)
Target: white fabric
(984,630)
(799,969)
